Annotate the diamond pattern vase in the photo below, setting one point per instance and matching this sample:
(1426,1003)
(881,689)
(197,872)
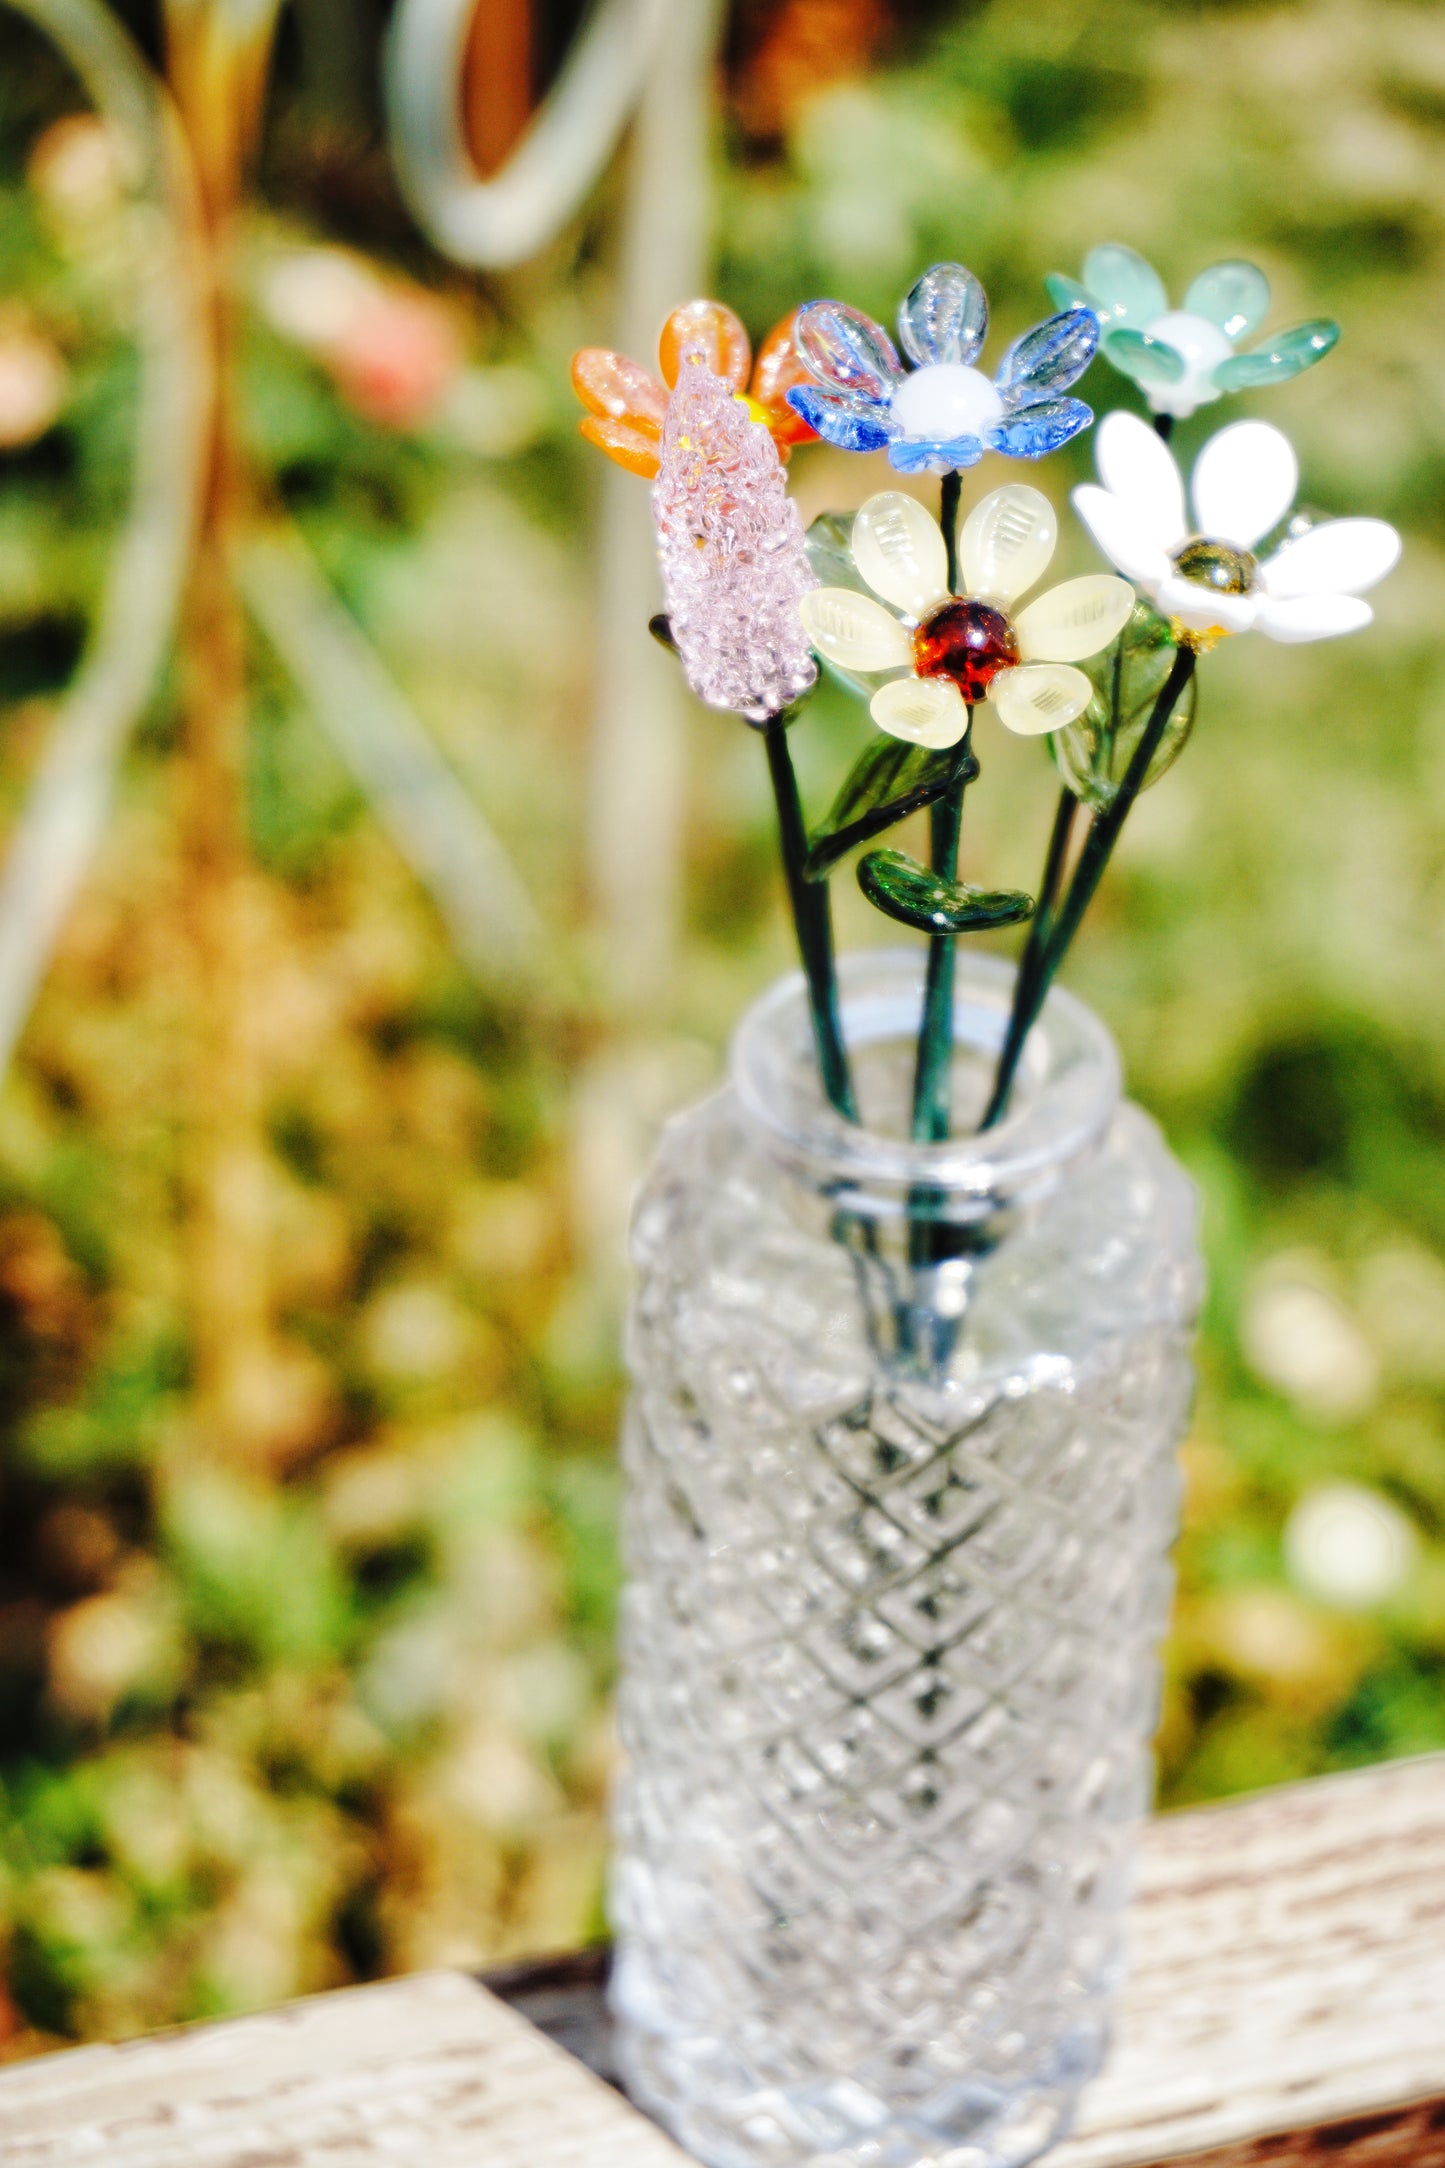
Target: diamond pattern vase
(901,1493)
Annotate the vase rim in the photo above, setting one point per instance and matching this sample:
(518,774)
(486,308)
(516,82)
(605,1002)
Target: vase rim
(1066,1093)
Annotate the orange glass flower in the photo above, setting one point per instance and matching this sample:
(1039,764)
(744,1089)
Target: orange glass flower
(626,404)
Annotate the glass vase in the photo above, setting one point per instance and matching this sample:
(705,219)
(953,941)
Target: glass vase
(901,1491)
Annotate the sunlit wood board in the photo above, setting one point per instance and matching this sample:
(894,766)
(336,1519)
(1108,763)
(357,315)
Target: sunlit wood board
(1286,2009)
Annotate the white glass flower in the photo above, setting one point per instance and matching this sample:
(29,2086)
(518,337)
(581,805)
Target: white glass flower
(1207,577)
(960,649)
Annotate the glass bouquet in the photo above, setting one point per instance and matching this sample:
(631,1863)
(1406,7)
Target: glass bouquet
(910,1339)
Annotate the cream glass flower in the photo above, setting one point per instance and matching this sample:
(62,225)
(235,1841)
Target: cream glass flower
(1206,578)
(961,649)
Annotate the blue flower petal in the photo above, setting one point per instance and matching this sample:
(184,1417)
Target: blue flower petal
(853,424)
(1050,357)
(846,351)
(932,455)
(1041,427)
(945,317)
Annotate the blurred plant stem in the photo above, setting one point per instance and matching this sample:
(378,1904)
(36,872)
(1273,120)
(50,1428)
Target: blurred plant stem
(216,58)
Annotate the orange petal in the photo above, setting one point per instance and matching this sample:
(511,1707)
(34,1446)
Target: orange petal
(779,367)
(610,385)
(629,443)
(724,341)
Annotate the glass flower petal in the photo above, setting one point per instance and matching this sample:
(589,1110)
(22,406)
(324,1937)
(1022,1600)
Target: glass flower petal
(1067,293)
(927,455)
(1294,618)
(1039,696)
(1244,482)
(609,384)
(1051,356)
(1279,358)
(1138,466)
(926,711)
(1339,557)
(637,446)
(945,317)
(829,543)
(1234,295)
(712,330)
(778,368)
(1033,431)
(1125,289)
(1127,539)
(846,350)
(854,631)
(1138,354)
(900,553)
(852,424)
(1200,608)
(1006,542)
(1074,620)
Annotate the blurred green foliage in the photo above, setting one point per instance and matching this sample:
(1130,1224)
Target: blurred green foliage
(345,1710)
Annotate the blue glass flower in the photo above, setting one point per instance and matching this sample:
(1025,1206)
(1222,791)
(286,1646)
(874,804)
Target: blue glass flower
(942,413)
(1184,358)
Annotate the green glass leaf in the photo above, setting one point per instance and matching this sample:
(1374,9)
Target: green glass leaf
(661,629)
(1126,289)
(916,896)
(1234,295)
(889,780)
(1067,293)
(1140,355)
(1279,358)
(1093,753)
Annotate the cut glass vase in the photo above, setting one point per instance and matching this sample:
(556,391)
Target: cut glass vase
(901,1495)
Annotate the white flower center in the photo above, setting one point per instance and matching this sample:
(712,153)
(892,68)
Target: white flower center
(1203,346)
(946,400)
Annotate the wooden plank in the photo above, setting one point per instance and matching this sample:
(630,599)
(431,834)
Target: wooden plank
(431,2072)
(1286,2009)
(1288,1975)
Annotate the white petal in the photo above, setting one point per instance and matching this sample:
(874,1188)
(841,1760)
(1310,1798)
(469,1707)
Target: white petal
(1311,617)
(1006,542)
(853,632)
(899,551)
(1075,619)
(1126,540)
(1244,483)
(927,711)
(1039,696)
(1200,608)
(1136,464)
(1339,557)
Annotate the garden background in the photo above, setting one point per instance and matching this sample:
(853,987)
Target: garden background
(321,1691)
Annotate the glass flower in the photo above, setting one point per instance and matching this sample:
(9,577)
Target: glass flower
(1182,358)
(942,413)
(730,543)
(626,404)
(1206,577)
(959,649)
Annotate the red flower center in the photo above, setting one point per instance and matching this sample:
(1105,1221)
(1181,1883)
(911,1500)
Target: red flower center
(967,641)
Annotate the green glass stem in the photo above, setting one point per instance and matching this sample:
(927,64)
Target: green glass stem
(1164,427)
(812,923)
(1030,991)
(933,1068)
(948,497)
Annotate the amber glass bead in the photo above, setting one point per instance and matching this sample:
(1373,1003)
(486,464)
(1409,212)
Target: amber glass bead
(967,641)
(1216,565)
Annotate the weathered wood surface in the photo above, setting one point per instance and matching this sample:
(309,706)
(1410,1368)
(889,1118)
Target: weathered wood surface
(1286,2010)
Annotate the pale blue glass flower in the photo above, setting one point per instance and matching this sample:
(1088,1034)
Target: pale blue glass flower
(1184,358)
(942,413)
